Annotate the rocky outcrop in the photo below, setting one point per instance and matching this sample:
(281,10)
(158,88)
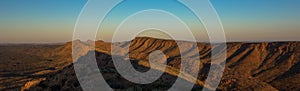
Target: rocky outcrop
(32,83)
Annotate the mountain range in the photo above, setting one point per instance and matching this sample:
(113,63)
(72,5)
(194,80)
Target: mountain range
(261,66)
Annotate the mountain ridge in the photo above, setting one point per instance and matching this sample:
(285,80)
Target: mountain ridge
(249,66)
(261,59)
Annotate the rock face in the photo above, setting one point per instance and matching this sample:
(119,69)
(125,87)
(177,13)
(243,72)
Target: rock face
(249,66)
(32,83)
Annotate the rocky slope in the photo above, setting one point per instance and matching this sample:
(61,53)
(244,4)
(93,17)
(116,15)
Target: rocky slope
(249,66)
(21,63)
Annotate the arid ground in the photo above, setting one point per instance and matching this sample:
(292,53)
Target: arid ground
(261,66)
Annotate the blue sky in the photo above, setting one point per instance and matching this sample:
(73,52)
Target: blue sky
(243,20)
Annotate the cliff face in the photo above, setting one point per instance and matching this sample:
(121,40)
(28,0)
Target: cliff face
(249,66)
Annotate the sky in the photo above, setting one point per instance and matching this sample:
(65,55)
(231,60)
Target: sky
(51,21)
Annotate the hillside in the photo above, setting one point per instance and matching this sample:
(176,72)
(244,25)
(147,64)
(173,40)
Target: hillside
(21,63)
(249,66)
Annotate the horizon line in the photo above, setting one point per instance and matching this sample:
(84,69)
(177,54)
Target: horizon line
(230,41)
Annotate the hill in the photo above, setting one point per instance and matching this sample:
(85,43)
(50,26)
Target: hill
(249,66)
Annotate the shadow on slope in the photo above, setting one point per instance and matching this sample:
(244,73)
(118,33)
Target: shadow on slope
(66,79)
